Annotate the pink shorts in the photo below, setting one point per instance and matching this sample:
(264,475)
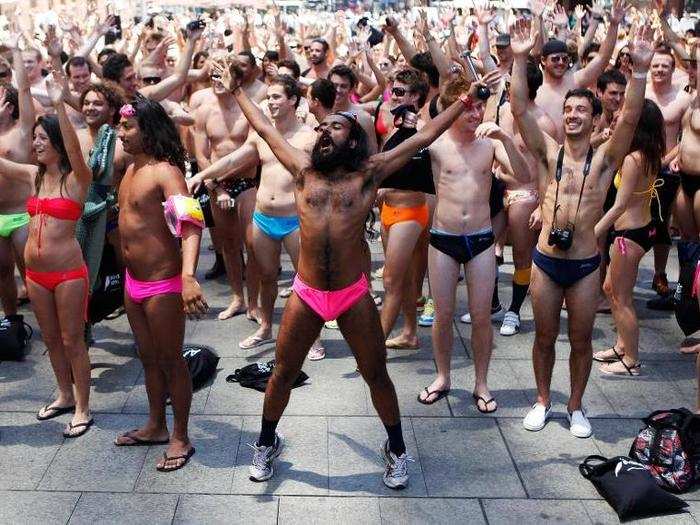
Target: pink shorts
(331,304)
(138,291)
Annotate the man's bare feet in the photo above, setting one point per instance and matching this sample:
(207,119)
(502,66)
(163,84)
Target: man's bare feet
(176,455)
(690,345)
(484,401)
(236,307)
(403,342)
(142,437)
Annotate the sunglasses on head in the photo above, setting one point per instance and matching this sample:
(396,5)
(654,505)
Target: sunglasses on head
(399,91)
(149,81)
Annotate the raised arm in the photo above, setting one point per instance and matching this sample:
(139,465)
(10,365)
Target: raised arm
(595,19)
(293,159)
(671,38)
(387,162)
(27,114)
(407,49)
(165,87)
(70,138)
(485,16)
(506,152)
(98,32)
(521,42)
(589,74)
(642,51)
(439,58)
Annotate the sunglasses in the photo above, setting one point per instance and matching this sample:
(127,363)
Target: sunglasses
(399,91)
(556,59)
(150,81)
(5,73)
(623,54)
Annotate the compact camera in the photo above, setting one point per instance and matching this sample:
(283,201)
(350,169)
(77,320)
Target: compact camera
(196,25)
(562,238)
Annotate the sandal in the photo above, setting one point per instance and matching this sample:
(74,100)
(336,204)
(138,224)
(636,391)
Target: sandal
(84,427)
(608,356)
(137,441)
(316,354)
(53,412)
(629,371)
(486,404)
(167,458)
(440,395)
(255,341)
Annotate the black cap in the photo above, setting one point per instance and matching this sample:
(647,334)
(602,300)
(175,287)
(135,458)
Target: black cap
(553,47)
(503,41)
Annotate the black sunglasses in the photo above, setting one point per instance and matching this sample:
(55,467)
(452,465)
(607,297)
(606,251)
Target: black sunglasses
(559,58)
(150,81)
(399,91)
(623,54)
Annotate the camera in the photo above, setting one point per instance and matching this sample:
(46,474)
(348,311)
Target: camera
(196,25)
(562,238)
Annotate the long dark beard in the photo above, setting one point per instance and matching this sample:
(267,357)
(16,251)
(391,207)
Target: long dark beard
(342,156)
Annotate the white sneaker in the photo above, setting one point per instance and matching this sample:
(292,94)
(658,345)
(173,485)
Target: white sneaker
(579,424)
(396,471)
(537,417)
(511,324)
(261,467)
(495,315)
(285,292)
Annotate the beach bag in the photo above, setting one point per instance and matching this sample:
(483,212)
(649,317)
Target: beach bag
(202,361)
(14,336)
(256,376)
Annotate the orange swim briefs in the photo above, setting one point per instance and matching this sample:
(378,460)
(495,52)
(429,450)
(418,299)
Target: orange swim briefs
(391,215)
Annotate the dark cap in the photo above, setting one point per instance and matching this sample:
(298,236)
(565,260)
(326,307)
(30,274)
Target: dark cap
(553,47)
(503,41)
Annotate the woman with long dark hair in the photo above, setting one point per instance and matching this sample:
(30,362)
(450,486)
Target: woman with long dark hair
(57,278)
(633,236)
(623,62)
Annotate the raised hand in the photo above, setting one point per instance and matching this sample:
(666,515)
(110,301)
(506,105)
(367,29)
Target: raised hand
(422,23)
(391,26)
(491,80)
(484,13)
(560,16)
(537,7)
(618,11)
(521,38)
(54,91)
(490,130)
(642,48)
(13,37)
(597,10)
(52,43)
(102,28)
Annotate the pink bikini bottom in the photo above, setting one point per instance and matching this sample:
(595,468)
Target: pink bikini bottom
(138,291)
(331,304)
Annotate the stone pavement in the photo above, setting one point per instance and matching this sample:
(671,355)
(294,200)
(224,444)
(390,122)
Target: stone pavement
(469,468)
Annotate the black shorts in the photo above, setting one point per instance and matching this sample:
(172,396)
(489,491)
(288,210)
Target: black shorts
(498,190)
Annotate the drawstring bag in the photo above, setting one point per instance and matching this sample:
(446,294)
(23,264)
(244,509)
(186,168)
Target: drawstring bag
(202,361)
(256,376)
(14,336)
(628,487)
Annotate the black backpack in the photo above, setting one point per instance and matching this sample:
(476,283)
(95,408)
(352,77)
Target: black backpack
(14,336)
(256,376)
(202,361)
(686,305)
(108,294)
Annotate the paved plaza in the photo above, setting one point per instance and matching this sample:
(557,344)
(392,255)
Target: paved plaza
(469,467)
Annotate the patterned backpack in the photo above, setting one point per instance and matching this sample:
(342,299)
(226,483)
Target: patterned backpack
(668,447)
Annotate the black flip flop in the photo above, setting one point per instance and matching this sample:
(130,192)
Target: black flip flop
(54,412)
(486,404)
(138,442)
(186,457)
(83,426)
(440,395)
(618,356)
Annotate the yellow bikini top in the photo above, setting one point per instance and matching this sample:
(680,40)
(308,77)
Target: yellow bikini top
(651,190)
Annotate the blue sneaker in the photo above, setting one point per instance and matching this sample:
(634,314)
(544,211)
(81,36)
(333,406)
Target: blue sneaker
(428,315)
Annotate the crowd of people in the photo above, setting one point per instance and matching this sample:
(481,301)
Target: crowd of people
(573,136)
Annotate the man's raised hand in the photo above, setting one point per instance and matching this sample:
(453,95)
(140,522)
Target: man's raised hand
(522,39)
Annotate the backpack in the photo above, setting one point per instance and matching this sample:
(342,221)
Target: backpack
(202,361)
(14,336)
(108,293)
(256,376)
(685,298)
(668,447)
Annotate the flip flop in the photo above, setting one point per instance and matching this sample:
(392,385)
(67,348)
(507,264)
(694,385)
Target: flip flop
(629,371)
(440,395)
(604,357)
(84,427)
(54,412)
(254,342)
(393,344)
(186,457)
(486,404)
(138,442)
(316,354)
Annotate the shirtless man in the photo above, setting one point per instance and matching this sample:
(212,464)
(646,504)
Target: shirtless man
(318,59)
(673,102)
(344,81)
(689,156)
(559,78)
(275,220)
(160,283)
(335,188)
(573,180)
(256,89)
(462,234)
(16,135)
(221,128)
(521,200)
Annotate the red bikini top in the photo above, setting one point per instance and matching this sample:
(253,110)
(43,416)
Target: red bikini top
(380,127)
(59,208)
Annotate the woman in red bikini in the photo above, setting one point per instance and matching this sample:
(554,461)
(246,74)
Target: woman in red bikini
(56,273)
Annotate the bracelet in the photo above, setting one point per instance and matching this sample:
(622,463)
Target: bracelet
(467,100)
(640,75)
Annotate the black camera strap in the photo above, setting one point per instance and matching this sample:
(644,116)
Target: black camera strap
(586,171)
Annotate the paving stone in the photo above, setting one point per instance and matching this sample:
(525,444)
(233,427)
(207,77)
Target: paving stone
(137,399)
(93,463)
(409,378)
(136,509)
(506,511)
(423,511)
(548,460)
(465,458)
(354,461)
(312,510)
(27,385)
(20,507)
(210,470)
(601,513)
(28,446)
(301,469)
(203,510)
